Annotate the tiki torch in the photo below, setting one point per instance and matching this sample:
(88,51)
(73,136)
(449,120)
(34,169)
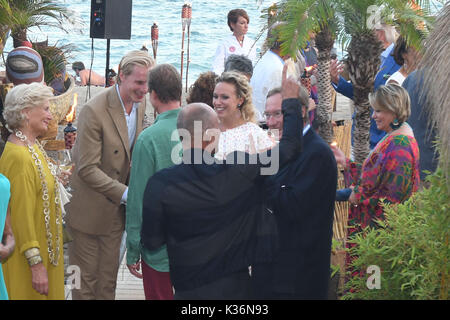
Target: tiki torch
(70,132)
(184,21)
(189,17)
(155,37)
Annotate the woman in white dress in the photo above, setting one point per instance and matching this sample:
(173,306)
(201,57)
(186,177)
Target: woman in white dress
(236,43)
(232,100)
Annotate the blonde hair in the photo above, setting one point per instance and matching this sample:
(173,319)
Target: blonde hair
(21,97)
(394,98)
(131,59)
(243,90)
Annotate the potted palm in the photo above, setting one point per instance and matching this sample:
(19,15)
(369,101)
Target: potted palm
(18,16)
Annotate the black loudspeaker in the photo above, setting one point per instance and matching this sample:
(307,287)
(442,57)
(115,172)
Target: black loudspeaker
(111,19)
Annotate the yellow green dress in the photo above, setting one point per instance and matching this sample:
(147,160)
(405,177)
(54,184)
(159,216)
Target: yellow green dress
(28,225)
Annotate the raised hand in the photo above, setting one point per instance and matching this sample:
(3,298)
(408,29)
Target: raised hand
(336,69)
(290,87)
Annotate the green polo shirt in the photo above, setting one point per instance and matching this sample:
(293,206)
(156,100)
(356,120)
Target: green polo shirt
(151,153)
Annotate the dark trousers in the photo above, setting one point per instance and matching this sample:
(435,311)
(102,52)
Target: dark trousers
(233,287)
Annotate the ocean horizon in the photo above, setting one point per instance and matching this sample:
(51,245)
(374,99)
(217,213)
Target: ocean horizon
(208,27)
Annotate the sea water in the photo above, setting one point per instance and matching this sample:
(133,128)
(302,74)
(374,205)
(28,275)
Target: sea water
(208,27)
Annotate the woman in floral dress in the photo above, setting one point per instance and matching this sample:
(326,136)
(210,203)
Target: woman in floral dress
(391,171)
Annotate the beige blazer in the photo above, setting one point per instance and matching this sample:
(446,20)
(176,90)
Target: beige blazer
(102,159)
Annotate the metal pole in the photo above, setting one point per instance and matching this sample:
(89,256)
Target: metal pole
(108,43)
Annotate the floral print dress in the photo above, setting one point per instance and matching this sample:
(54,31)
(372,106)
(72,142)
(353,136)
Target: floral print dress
(391,172)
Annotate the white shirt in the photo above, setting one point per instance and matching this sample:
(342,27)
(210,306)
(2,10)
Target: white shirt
(248,137)
(129,118)
(131,125)
(230,46)
(266,76)
(398,77)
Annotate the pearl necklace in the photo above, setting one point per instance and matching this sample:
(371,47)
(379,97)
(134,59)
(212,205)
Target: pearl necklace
(53,254)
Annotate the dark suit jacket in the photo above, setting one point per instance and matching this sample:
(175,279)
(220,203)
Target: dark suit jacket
(424,134)
(302,197)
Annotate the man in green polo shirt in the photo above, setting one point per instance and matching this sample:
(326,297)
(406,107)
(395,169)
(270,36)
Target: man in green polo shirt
(153,152)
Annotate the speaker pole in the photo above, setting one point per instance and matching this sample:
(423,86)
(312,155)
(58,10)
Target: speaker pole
(108,43)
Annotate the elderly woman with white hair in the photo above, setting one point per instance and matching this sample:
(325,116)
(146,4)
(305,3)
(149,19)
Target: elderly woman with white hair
(35,270)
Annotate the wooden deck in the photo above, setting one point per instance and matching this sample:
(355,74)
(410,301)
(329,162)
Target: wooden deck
(128,286)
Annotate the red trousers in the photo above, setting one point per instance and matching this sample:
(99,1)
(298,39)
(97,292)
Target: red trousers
(157,285)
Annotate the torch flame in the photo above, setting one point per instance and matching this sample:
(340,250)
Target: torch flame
(71,114)
(308,69)
(334,144)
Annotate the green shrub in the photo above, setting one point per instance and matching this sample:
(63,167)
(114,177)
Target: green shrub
(410,247)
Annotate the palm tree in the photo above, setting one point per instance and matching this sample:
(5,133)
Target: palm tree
(437,86)
(347,19)
(18,16)
(5,22)
(301,18)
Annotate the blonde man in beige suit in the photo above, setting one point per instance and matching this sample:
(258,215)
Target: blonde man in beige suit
(108,126)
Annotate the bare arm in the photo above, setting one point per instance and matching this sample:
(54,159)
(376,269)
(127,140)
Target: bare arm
(8,243)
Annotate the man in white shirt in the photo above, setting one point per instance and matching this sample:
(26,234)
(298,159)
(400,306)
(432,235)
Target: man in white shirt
(267,73)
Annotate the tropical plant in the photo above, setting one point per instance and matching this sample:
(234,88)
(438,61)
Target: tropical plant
(302,17)
(54,59)
(437,86)
(410,248)
(18,16)
(347,20)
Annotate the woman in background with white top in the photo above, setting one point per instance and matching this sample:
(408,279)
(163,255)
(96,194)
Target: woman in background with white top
(232,100)
(236,43)
(407,57)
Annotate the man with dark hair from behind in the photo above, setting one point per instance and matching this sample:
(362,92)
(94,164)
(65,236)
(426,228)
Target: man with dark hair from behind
(152,153)
(211,216)
(239,63)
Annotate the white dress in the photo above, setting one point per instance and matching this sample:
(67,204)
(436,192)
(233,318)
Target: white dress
(248,137)
(230,46)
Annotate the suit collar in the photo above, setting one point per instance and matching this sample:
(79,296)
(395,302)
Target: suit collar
(117,114)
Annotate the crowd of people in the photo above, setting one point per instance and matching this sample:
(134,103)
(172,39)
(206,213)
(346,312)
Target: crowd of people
(228,197)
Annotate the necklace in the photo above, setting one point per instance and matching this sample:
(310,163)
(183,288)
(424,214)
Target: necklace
(53,253)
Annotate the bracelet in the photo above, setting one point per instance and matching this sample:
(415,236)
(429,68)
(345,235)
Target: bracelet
(32,252)
(34,260)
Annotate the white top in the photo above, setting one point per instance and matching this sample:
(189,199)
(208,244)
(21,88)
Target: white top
(248,137)
(266,76)
(130,119)
(398,77)
(230,46)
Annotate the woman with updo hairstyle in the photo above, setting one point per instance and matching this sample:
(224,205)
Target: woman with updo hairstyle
(236,43)
(35,270)
(203,88)
(391,172)
(232,102)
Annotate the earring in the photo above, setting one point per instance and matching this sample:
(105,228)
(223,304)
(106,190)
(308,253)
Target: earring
(395,124)
(239,106)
